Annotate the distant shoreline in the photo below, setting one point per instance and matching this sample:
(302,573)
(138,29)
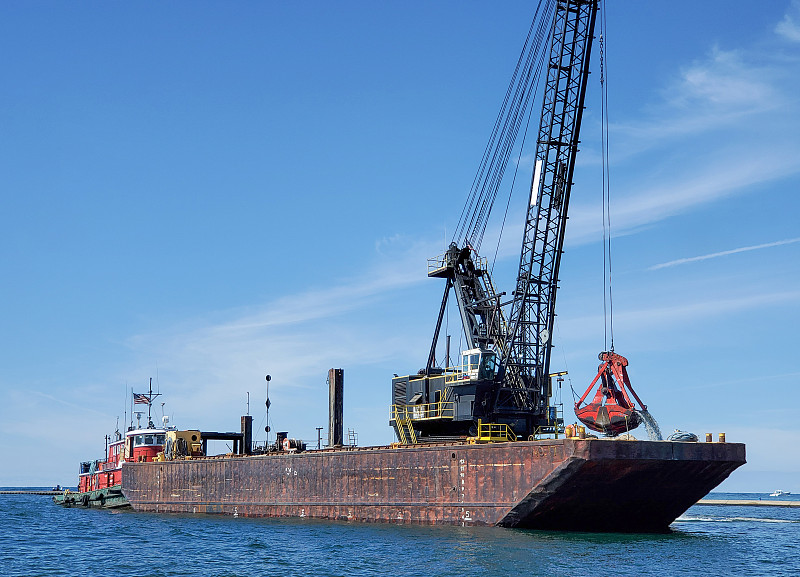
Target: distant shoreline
(30,492)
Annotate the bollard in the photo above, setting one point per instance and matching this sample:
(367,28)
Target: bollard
(722,437)
(708,437)
(581,432)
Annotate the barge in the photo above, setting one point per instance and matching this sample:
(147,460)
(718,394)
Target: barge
(558,484)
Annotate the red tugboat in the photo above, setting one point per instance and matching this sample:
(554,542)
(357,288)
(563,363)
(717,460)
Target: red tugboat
(100,481)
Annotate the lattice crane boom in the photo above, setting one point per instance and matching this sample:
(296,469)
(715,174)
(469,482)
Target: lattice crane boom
(532,314)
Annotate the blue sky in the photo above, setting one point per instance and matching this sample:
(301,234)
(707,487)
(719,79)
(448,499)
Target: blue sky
(204,193)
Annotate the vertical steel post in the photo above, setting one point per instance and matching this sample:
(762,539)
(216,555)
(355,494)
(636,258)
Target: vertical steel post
(335,407)
(247,435)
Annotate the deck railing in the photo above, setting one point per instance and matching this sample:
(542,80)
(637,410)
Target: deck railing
(424,411)
(494,433)
(439,262)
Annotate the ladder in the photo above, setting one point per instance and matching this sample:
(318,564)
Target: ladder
(405,430)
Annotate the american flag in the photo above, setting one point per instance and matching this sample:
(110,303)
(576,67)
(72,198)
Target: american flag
(140,399)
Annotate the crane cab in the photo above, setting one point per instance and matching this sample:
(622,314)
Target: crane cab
(478,365)
(445,403)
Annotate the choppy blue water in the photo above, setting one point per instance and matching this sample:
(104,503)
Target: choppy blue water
(39,538)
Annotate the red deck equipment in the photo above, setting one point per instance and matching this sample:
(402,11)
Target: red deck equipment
(611,411)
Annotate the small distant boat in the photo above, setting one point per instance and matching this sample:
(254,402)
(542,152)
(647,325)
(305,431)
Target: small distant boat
(779,493)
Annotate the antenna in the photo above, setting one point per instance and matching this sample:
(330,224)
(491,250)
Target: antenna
(125,409)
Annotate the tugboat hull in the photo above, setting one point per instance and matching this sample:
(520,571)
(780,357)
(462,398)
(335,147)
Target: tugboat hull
(107,498)
(563,484)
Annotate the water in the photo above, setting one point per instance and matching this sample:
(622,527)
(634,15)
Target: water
(38,538)
(651,425)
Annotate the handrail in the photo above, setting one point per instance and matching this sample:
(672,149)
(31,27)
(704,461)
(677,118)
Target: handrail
(424,411)
(494,433)
(440,261)
(455,374)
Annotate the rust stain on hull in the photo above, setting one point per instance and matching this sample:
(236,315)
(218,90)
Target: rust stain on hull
(550,484)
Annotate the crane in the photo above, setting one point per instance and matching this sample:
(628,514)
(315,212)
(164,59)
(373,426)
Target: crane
(503,377)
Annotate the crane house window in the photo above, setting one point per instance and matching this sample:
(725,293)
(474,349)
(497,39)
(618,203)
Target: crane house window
(479,364)
(488,366)
(471,362)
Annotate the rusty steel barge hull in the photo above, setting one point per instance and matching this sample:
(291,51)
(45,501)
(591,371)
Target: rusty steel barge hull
(561,484)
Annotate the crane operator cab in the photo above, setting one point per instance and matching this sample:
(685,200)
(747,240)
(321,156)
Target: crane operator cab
(447,402)
(478,365)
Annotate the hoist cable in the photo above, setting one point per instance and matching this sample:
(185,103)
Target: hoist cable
(480,201)
(608,314)
(511,188)
(523,93)
(496,158)
(460,229)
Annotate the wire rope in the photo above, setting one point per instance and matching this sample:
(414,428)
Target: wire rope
(486,183)
(608,302)
(511,188)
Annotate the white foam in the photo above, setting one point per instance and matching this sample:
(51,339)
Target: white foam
(707,519)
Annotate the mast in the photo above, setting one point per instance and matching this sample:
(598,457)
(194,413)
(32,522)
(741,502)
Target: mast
(141,399)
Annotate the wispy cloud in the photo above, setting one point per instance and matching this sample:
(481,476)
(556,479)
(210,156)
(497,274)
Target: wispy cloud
(726,81)
(723,253)
(656,201)
(726,88)
(730,126)
(727,125)
(645,202)
(683,314)
(397,268)
(295,337)
(789,27)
